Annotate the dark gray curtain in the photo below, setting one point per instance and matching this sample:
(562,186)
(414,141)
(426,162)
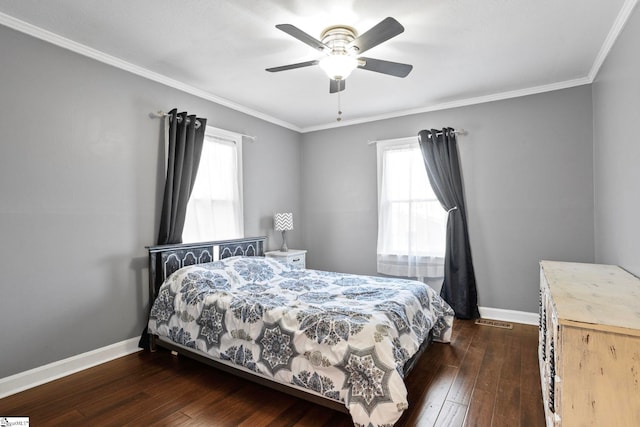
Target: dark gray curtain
(440,153)
(186,139)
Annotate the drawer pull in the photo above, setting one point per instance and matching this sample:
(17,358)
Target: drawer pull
(296,260)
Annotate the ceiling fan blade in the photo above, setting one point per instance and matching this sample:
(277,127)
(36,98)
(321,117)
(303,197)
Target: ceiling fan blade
(293,66)
(381,32)
(385,67)
(336,85)
(303,37)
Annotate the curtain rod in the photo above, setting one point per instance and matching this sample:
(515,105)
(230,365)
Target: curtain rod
(163,114)
(160,114)
(456,131)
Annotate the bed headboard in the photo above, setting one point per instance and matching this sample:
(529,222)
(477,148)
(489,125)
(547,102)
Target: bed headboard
(165,259)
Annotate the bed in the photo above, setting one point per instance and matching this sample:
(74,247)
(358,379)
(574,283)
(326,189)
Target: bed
(340,340)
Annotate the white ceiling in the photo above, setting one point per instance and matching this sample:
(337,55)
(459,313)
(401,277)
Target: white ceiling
(463,51)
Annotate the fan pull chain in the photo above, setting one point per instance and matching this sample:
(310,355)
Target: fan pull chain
(339,118)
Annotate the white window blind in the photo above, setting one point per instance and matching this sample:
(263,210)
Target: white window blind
(215,209)
(411,221)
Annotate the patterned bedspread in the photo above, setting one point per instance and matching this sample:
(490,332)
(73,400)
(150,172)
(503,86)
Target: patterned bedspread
(345,337)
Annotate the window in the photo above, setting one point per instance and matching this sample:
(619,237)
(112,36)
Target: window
(411,221)
(215,209)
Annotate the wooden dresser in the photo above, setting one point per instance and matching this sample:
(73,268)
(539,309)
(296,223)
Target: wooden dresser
(589,347)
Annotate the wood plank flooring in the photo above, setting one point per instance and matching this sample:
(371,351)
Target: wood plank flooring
(487,376)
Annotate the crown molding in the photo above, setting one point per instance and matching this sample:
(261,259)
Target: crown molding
(615,31)
(48,36)
(455,104)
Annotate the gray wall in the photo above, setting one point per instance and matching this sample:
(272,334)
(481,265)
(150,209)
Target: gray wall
(527,166)
(616,115)
(79,195)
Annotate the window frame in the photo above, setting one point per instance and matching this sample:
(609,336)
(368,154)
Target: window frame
(408,262)
(213,134)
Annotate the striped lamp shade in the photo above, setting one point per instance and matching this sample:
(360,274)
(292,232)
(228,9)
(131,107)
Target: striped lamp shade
(283,221)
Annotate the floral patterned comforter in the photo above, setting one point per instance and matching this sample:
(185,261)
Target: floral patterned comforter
(345,337)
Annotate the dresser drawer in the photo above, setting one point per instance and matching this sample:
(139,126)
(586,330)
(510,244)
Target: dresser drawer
(295,257)
(298,260)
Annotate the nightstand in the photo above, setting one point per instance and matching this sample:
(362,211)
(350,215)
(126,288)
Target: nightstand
(296,257)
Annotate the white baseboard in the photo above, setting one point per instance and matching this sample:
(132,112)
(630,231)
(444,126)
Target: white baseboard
(43,374)
(509,315)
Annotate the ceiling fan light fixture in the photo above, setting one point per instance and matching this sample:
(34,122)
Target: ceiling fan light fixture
(342,47)
(338,67)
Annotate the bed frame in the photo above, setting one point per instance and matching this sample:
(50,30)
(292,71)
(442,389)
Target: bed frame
(165,259)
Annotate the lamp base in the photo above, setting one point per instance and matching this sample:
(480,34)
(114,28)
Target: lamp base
(284,247)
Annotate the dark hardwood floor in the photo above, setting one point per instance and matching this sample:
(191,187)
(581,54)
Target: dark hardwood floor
(487,376)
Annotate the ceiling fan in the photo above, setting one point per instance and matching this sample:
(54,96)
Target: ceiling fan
(342,47)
